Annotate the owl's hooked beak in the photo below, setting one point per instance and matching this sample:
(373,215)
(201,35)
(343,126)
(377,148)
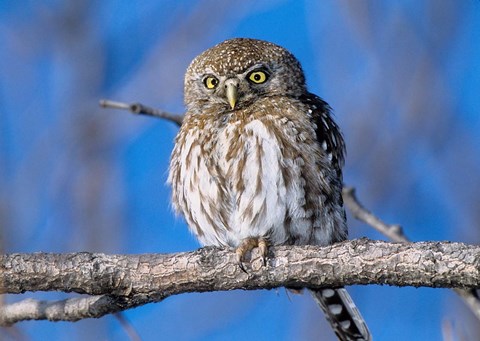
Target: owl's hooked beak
(232,91)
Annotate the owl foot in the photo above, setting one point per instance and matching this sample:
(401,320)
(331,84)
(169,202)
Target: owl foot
(248,245)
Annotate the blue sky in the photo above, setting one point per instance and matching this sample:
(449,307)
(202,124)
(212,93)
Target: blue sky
(403,78)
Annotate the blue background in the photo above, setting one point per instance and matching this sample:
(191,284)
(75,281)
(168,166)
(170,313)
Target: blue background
(402,76)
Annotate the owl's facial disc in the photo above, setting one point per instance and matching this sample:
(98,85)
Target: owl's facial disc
(244,86)
(231,91)
(236,89)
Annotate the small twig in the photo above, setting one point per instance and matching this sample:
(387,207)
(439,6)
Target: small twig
(471,299)
(13,333)
(395,233)
(447,330)
(127,326)
(140,109)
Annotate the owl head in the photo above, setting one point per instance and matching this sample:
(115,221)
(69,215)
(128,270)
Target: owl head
(237,72)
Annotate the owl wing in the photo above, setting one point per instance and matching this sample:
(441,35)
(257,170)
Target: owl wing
(328,134)
(331,141)
(339,309)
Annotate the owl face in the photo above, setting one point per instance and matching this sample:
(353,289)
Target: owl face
(237,72)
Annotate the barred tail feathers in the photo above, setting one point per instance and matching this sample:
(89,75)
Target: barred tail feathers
(342,314)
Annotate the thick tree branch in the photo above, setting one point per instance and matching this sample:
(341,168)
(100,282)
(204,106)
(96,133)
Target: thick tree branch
(131,280)
(395,233)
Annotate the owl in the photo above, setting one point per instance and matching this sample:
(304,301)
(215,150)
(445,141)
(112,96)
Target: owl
(258,161)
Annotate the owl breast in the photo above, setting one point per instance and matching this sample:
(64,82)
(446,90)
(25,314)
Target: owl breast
(255,172)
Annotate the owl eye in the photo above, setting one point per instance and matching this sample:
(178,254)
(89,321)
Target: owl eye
(210,82)
(257,77)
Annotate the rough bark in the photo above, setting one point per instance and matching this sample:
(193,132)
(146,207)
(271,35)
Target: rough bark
(125,281)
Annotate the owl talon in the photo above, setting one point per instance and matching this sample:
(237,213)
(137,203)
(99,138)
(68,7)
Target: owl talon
(241,266)
(248,245)
(245,246)
(263,246)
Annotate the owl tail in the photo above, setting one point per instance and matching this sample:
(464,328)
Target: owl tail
(342,314)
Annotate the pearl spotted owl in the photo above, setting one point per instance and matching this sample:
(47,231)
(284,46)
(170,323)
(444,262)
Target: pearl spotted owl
(258,161)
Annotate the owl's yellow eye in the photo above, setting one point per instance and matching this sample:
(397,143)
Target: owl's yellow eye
(210,82)
(257,77)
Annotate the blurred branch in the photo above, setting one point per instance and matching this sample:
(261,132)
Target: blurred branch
(140,109)
(119,282)
(72,309)
(395,233)
(127,326)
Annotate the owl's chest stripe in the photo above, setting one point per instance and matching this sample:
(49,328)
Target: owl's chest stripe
(253,166)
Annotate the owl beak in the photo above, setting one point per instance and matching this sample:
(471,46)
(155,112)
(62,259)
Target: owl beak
(232,91)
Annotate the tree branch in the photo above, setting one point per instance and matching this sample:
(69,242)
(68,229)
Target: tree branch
(140,109)
(395,233)
(72,309)
(127,281)
(121,282)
